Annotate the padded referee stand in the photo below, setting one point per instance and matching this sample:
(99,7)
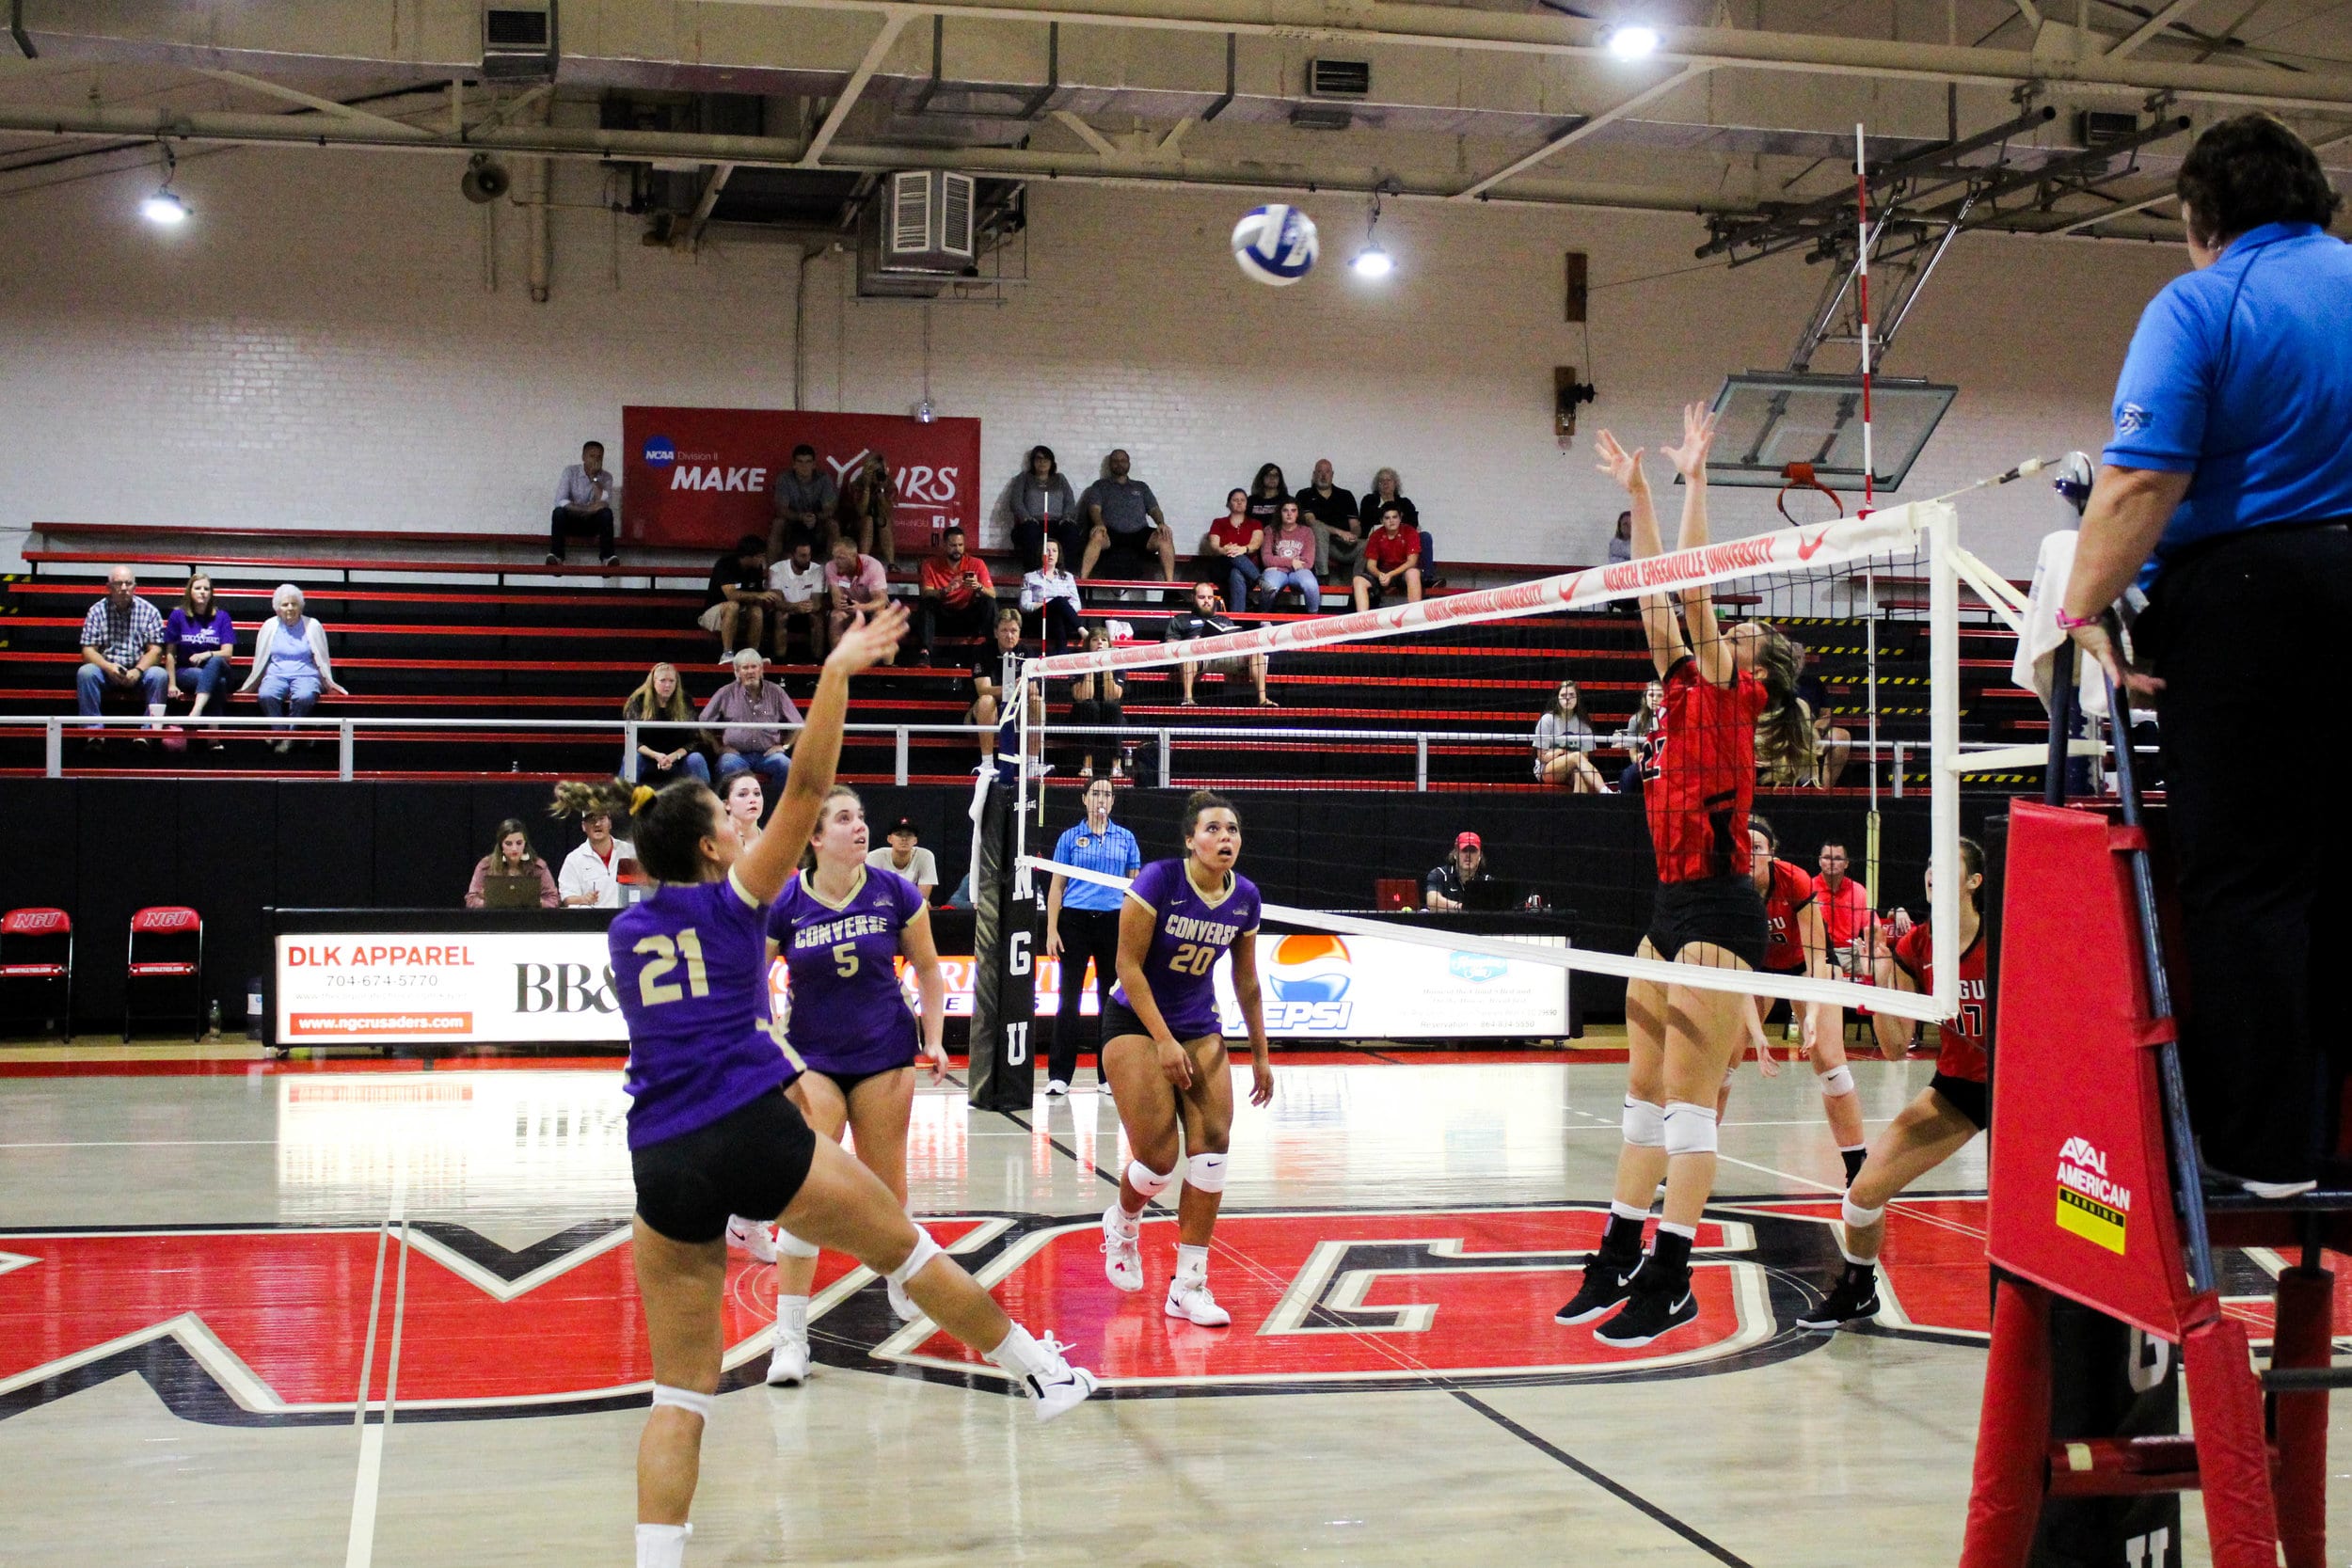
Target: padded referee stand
(166,944)
(37,946)
(2090,1133)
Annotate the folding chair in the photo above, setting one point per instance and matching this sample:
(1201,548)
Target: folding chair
(174,946)
(38,944)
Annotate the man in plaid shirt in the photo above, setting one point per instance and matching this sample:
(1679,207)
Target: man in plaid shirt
(122,641)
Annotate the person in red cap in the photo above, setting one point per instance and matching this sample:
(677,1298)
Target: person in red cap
(1442,888)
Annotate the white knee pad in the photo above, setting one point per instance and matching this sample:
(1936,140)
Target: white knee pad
(1205,1173)
(1149,1182)
(789,1246)
(1689,1128)
(1837,1081)
(1644,1124)
(925,1250)
(1857,1217)
(684,1399)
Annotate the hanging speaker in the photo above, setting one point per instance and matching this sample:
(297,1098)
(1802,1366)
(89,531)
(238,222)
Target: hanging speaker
(483,180)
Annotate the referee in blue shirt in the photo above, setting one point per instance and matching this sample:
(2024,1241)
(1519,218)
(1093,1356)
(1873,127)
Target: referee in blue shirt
(2227,494)
(1082,922)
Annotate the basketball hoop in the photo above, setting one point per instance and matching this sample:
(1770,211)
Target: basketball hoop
(1800,477)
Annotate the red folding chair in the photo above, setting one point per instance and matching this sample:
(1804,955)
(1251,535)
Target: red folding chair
(38,945)
(171,937)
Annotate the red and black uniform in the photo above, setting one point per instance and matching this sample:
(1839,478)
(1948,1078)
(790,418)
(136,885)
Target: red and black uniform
(1791,889)
(1961,1064)
(1701,784)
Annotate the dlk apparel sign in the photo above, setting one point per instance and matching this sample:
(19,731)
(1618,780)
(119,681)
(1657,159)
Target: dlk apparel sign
(702,478)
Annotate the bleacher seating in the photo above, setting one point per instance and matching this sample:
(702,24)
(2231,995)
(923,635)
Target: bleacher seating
(573,646)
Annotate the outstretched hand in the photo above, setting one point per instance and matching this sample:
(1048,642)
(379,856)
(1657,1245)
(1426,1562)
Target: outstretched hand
(1698,434)
(870,640)
(1623,466)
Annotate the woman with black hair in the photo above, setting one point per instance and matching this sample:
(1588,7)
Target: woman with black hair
(1267,492)
(1045,507)
(711,1131)
(2227,494)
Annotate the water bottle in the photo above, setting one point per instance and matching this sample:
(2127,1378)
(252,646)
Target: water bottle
(212,1020)
(253,1009)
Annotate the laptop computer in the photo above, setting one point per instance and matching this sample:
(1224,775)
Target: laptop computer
(510,892)
(1493,895)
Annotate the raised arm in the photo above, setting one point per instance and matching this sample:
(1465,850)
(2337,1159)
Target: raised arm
(1698,604)
(769,864)
(1666,647)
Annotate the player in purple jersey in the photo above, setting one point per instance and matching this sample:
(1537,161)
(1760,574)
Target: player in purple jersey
(1164,1048)
(710,1132)
(841,927)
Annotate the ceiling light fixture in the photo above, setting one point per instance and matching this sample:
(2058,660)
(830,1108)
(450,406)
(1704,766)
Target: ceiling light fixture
(164,207)
(1633,42)
(1372,261)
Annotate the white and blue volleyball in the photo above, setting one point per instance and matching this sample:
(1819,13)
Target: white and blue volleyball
(1275,244)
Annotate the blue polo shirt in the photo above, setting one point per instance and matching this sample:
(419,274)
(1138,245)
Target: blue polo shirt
(1113,851)
(2243,373)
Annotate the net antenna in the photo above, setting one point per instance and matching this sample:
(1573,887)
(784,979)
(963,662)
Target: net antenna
(1771,576)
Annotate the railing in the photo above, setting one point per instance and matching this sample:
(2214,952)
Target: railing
(55,729)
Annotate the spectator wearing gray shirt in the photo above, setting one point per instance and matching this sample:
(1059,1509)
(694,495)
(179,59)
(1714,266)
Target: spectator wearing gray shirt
(1564,743)
(1124,512)
(755,719)
(587,498)
(806,500)
(1045,507)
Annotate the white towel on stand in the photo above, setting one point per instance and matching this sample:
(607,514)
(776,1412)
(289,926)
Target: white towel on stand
(2039,645)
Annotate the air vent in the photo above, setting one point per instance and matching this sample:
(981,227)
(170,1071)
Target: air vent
(910,213)
(2106,127)
(1310,117)
(519,43)
(919,235)
(1339,78)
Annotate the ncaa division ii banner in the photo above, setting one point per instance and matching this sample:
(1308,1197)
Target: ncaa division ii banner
(702,478)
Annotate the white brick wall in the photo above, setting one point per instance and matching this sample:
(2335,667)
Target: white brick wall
(319,347)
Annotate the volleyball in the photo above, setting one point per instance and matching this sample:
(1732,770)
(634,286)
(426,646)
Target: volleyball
(1275,244)
(1308,968)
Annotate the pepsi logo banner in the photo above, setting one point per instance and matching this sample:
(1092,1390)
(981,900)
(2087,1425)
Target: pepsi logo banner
(1317,985)
(702,478)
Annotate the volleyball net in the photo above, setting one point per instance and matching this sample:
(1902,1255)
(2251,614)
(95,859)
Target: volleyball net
(1859,615)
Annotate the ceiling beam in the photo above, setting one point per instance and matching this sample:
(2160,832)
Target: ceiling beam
(1086,133)
(893,22)
(700,218)
(2154,25)
(311,100)
(1576,133)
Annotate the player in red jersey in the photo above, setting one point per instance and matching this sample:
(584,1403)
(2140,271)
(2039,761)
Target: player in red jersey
(1953,1108)
(1729,696)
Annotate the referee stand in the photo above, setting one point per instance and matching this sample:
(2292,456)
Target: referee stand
(2096,1199)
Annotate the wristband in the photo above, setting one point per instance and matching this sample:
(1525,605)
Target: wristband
(2071,623)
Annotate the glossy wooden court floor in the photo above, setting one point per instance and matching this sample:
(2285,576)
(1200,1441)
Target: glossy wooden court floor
(203,1277)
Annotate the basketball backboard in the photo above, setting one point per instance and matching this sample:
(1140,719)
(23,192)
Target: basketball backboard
(1768,419)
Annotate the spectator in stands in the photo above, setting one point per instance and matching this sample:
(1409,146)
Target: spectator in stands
(755,719)
(591,877)
(514,857)
(1094,699)
(1122,514)
(1207,618)
(1391,556)
(1621,544)
(1287,561)
(587,496)
(736,599)
(1045,507)
(796,585)
(855,584)
(1640,738)
(1051,594)
(1564,744)
(123,641)
(902,851)
(200,640)
(1331,511)
(290,663)
(744,801)
(806,502)
(868,504)
(1233,543)
(1267,492)
(670,745)
(1082,924)
(1833,743)
(957,596)
(1386,490)
(991,667)
(1442,889)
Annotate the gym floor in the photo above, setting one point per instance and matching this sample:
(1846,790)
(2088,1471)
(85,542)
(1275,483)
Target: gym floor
(205,1260)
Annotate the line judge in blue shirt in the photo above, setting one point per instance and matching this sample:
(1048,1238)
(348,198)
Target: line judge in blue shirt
(2226,493)
(1082,922)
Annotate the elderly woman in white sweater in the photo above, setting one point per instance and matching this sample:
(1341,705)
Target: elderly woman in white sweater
(289,662)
